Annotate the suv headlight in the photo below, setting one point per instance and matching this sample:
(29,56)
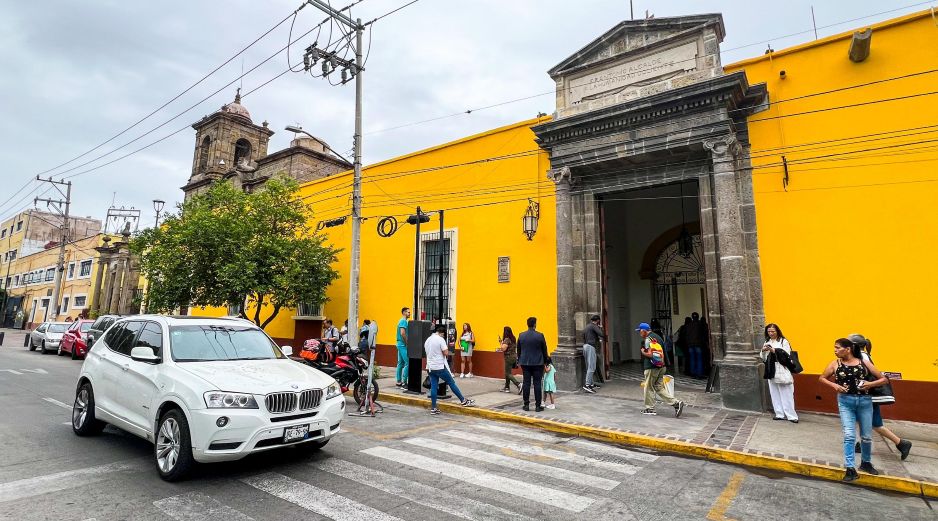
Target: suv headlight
(333,390)
(222,400)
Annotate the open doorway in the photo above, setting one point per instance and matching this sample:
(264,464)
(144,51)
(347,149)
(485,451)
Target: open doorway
(653,265)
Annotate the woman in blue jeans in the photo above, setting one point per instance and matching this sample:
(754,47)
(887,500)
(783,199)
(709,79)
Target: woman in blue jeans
(850,376)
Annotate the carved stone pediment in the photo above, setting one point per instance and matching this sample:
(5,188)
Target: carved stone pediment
(638,58)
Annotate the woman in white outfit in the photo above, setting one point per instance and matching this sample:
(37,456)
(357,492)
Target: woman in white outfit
(776,353)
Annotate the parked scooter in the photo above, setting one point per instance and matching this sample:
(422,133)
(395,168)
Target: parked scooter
(346,365)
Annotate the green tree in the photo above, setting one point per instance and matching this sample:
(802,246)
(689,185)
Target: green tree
(227,247)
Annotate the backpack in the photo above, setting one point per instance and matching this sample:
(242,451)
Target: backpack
(657,353)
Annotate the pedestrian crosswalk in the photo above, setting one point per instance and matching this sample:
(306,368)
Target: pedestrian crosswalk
(477,472)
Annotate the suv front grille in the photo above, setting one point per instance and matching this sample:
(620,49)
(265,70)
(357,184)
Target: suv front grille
(310,399)
(281,402)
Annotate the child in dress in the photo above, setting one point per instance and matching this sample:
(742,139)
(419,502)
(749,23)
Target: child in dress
(549,384)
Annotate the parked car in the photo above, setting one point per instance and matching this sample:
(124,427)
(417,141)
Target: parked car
(74,340)
(99,327)
(47,336)
(203,390)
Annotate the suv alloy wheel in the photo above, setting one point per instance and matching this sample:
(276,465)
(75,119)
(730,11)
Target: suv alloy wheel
(173,447)
(83,421)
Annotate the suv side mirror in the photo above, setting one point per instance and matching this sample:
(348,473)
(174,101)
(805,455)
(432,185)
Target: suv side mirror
(287,350)
(144,354)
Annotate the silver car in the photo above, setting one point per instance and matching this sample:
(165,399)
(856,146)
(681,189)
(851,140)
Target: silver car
(47,336)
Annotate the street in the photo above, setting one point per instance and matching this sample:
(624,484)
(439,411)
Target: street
(403,464)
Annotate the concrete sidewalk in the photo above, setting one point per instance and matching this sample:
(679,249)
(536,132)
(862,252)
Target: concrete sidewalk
(815,440)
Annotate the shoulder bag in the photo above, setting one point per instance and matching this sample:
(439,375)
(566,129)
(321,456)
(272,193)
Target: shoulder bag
(795,363)
(883,394)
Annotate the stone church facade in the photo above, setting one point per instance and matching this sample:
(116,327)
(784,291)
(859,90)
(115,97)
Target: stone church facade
(228,145)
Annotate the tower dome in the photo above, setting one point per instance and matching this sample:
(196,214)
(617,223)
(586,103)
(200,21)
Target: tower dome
(235,108)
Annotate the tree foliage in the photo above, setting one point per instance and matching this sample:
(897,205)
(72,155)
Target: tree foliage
(227,247)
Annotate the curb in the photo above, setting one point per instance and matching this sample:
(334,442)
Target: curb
(889,483)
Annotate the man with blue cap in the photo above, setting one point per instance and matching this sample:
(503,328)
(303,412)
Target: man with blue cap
(653,362)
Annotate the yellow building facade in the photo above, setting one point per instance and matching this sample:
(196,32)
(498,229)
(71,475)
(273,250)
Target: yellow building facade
(31,281)
(843,180)
(484,183)
(838,238)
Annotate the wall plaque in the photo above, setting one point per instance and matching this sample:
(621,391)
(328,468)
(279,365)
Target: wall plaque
(675,60)
(504,269)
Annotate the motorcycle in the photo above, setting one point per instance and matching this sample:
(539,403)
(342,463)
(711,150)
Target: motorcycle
(346,365)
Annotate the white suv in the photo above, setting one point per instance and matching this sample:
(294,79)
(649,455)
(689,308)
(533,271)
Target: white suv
(202,390)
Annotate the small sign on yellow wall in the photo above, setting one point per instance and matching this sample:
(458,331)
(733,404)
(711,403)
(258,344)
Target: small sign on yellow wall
(504,269)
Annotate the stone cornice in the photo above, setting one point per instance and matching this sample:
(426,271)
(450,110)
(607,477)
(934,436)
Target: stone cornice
(730,91)
(286,152)
(234,119)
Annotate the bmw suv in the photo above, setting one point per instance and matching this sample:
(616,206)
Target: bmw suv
(202,390)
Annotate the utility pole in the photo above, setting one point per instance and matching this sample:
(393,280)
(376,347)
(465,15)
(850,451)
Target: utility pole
(60,265)
(330,62)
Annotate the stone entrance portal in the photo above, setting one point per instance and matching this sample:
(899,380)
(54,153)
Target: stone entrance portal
(647,105)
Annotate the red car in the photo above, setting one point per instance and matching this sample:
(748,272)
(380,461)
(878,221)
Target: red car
(73,341)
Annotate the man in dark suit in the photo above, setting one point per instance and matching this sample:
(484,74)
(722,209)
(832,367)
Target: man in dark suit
(532,356)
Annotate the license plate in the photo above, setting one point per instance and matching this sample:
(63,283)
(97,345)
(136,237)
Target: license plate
(297,432)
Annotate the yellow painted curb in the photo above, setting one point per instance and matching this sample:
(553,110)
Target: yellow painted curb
(814,470)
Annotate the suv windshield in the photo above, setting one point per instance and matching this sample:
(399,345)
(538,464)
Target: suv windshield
(221,342)
(57,328)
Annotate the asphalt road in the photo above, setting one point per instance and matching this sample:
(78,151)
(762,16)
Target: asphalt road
(404,464)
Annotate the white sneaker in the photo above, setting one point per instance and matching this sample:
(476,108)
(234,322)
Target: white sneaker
(469,375)
(462,375)
(551,406)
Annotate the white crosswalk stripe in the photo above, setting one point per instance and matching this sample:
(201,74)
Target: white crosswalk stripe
(575,442)
(198,507)
(457,505)
(38,485)
(543,494)
(315,499)
(514,463)
(524,448)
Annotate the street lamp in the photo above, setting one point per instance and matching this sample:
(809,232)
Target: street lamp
(296,129)
(158,206)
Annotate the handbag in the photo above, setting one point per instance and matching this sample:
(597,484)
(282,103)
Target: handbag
(782,375)
(883,394)
(795,363)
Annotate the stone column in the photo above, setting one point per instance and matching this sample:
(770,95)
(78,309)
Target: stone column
(129,281)
(96,296)
(115,284)
(567,358)
(740,384)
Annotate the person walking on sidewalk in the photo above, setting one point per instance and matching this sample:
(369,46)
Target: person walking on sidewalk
(654,366)
(848,376)
(532,355)
(467,342)
(591,337)
(402,360)
(509,347)
(776,353)
(903,446)
(437,351)
(550,385)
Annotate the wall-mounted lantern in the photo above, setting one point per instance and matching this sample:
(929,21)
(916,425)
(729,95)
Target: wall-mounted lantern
(531,216)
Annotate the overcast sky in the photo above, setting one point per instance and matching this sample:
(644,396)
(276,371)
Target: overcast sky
(74,74)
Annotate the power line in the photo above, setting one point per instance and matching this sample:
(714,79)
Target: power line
(174,98)
(469,111)
(777,151)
